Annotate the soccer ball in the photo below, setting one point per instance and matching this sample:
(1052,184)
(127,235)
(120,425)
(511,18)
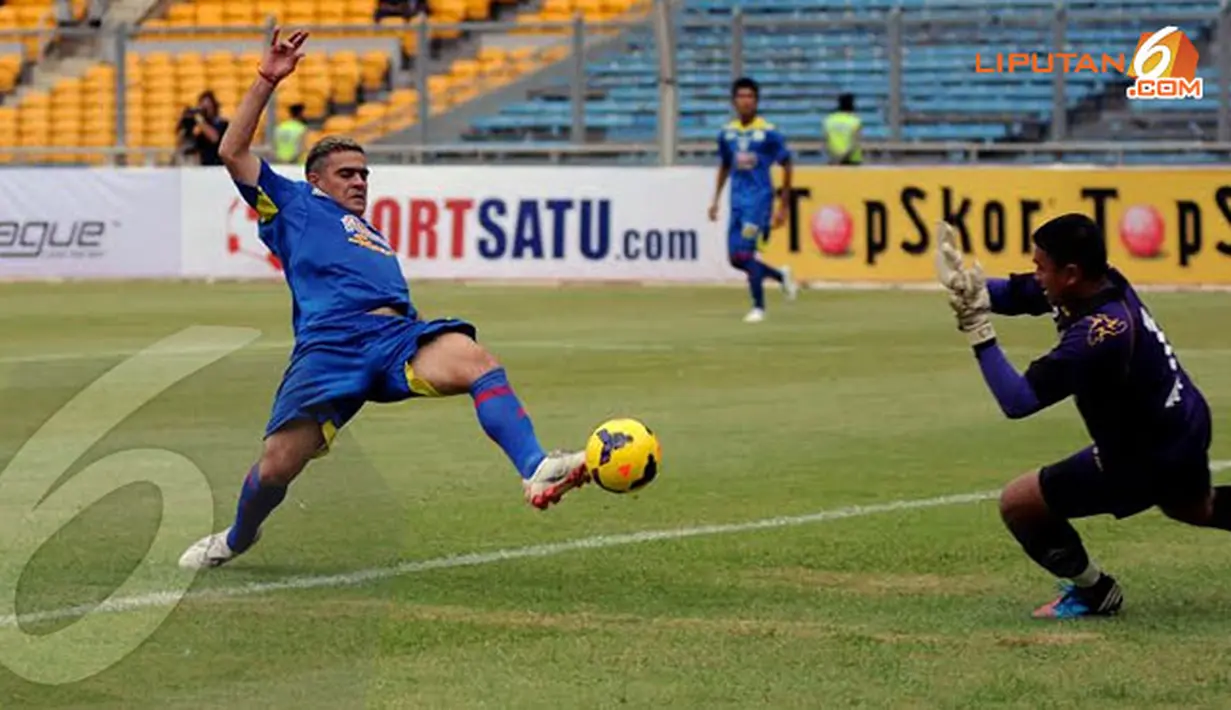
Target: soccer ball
(623,455)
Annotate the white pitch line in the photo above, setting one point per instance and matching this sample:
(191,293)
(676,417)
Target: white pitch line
(350,579)
(475,559)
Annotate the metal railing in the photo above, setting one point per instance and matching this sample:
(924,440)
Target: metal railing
(438,130)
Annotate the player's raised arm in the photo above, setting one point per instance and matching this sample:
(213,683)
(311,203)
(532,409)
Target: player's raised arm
(278,62)
(1020,294)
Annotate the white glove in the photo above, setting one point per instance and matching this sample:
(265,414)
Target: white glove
(949,269)
(973,307)
(968,294)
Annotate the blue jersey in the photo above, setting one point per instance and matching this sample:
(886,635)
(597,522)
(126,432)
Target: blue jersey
(336,264)
(749,151)
(1138,403)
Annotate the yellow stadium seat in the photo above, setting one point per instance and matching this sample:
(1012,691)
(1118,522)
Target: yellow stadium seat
(8,17)
(248,61)
(403,98)
(241,14)
(29,17)
(299,12)
(449,17)
(332,13)
(438,83)
(339,125)
(182,14)
(209,15)
(358,15)
(314,106)
(478,9)
(155,24)
(493,54)
(266,9)
(554,54)
(374,68)
(370,113)
(345,93)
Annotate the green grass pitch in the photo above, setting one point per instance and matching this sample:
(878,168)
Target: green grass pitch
(840,399)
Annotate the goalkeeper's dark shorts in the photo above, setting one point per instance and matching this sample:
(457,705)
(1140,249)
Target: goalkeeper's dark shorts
(1084,484)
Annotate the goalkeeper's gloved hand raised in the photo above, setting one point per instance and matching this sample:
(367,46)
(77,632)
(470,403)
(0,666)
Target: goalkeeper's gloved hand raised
(949,269)
(968,294)
(973,307)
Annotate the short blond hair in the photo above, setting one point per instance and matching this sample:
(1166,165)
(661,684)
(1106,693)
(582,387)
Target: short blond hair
(326,147)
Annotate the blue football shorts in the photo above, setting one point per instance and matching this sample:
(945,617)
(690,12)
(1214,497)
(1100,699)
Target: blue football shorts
(747,228)
(336,369)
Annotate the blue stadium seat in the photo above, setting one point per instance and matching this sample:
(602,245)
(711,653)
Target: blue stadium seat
(802,71)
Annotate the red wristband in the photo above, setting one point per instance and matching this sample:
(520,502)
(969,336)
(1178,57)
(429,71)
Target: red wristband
(266,77)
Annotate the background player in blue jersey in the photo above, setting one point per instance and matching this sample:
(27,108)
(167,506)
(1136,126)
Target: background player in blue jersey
(358,337)
(748,148)
(1150,425)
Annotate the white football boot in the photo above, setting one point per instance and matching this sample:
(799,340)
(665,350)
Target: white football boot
(789,285)
(756,315)
(210,551)
(559,473)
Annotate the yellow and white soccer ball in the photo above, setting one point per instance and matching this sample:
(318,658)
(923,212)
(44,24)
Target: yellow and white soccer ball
(623,455)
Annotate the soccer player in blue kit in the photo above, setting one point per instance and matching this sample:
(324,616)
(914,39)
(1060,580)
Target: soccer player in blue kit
(358,338)
(748,148)
(1150,425)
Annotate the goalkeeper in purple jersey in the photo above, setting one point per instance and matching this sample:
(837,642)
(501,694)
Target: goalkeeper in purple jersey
(1150,425)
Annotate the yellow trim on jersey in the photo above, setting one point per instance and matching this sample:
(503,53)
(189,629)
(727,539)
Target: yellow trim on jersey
(419,386)
(265,207)
(758,124)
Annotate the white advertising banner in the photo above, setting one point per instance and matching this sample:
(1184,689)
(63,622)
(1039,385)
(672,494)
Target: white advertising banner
(601,224)
(89,223)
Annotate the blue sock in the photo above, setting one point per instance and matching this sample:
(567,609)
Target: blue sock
(756,274)
(256,502)
(771,272)
(505,422)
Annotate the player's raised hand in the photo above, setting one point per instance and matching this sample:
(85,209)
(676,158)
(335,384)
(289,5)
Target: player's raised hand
(282,55)
(972,305)
(949,269)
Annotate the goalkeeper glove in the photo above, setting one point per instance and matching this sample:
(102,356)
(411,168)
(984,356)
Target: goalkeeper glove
(973,307)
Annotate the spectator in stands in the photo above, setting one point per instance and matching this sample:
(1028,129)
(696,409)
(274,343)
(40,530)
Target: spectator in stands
(289,137)
(404,9)
(201,129)
(843,133)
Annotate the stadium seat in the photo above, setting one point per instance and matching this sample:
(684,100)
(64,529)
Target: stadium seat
(802,71)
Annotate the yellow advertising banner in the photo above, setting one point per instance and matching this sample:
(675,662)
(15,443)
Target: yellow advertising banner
(1162,226)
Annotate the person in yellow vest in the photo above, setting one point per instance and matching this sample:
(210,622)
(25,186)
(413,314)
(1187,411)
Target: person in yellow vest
(843,132)
(289,137)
